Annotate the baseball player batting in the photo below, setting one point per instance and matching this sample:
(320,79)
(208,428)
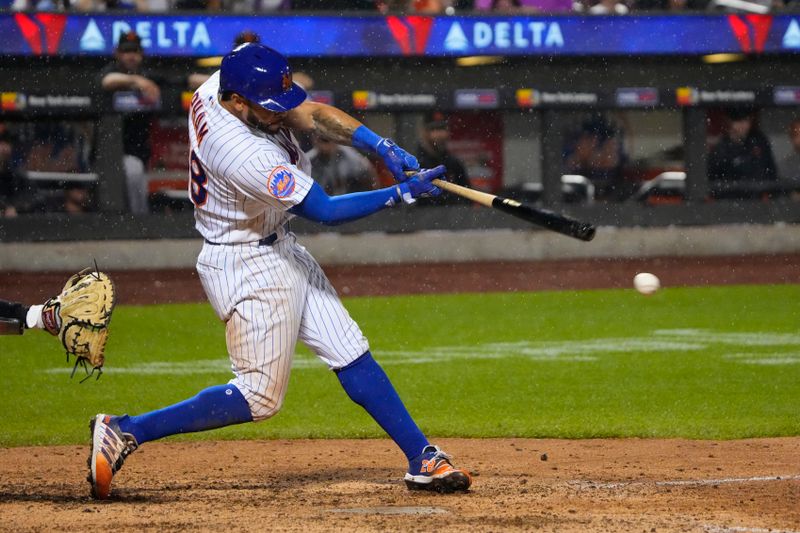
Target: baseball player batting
(249,177)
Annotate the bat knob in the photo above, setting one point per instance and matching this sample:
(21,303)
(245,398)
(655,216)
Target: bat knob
(586,232)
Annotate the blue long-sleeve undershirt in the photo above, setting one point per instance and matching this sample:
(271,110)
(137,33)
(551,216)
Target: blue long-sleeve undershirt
(332,210)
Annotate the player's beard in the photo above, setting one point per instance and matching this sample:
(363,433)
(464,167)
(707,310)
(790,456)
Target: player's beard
(270,128)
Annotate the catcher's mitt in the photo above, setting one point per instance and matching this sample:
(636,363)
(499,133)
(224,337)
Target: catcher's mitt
(79,316)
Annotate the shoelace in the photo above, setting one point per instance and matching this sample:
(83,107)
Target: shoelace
(119,444)
(128,448)
(440,454)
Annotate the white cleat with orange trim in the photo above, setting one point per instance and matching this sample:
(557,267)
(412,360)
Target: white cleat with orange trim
(432,470)
(109,448)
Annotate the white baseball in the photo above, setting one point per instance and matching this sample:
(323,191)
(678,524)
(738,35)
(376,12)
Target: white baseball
(646,283)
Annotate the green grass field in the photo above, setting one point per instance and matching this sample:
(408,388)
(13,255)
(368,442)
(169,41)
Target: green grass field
(718,362)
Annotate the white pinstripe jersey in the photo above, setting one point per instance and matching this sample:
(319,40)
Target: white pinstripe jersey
(242,180)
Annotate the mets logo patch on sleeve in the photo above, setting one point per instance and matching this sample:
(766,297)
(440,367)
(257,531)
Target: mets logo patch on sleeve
(280,182)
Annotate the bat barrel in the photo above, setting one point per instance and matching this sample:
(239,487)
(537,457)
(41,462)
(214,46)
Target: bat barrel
(547,219)
(570,227)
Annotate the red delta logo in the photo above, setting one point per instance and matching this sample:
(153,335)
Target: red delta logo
(280,182)
(411,33)
(751,31)
(42,31)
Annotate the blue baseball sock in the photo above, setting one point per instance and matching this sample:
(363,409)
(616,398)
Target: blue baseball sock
(214,407)
(368,385)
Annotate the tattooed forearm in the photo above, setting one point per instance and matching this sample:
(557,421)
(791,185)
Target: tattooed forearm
(334,124)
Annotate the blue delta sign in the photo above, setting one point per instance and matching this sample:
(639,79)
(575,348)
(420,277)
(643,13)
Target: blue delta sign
(25,34)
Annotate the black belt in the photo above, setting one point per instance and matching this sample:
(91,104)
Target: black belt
(269,240)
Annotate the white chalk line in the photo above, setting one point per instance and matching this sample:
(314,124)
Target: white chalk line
(737,338)
(743,529)
(766,359)
(579,351)
(686,482)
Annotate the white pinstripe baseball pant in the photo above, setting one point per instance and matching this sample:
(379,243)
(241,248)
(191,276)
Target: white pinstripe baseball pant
(269,296)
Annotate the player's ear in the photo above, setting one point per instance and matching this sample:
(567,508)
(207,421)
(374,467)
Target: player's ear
(238,101)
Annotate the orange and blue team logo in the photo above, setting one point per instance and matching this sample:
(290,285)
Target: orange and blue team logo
(280,182)
(286,82)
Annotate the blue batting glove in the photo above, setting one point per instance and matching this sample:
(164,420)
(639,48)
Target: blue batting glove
(420,186)
(396,159)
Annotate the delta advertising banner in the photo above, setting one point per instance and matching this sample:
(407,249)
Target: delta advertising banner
(26,34)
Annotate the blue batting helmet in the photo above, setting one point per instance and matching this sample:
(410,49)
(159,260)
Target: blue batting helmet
(261,75)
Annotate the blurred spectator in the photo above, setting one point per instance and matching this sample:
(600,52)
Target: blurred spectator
(127,73)
(76,199)
(304,80)
(392,6)
(114,5)
(198,5)
(40,5)
(789,166)
(596,150)
(153,6)
(17,195)
(433,151)
(609,7)
(10,180)
(257,6)
(743,152)
(517,7)
(340,169)
(427,7)
(507,7)
(62,148)
(744,6)
(670,5)
(57,147)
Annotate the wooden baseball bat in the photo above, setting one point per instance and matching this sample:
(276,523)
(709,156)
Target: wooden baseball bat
(541,217)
